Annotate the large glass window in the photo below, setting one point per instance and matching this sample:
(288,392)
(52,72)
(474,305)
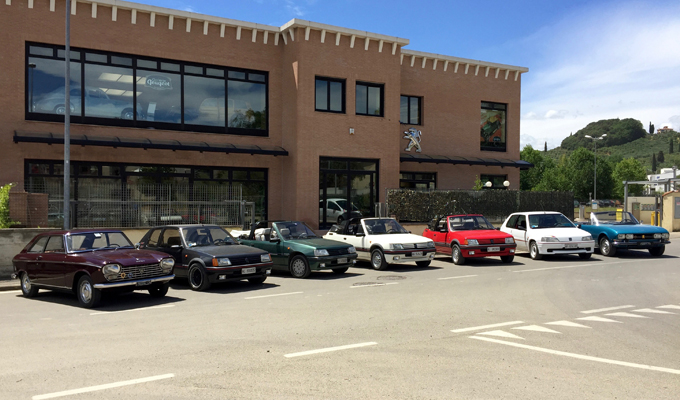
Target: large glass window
(493,126)
(417,180)
(347,189)
(496,181)
(410,110)
(126,90)
(369,99)
(330,95)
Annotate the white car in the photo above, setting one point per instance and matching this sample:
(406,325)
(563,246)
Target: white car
(546,233)
(382,241)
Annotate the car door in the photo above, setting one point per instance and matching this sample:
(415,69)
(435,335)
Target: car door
(171,242)
(33,260)
(519,232)
(277,249)
(54,263)
(439,237)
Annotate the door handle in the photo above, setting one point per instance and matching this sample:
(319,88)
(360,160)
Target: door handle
(39,258)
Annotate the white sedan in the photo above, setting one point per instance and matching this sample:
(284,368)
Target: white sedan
(382,241)
(547,233)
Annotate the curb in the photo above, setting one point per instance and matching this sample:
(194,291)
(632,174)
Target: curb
(10,285)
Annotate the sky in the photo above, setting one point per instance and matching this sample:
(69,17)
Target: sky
(587,60)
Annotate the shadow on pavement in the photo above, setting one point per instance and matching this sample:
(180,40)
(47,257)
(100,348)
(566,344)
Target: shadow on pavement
(109,301)
(397,267)
(224,287)
(326,275)
(481,262)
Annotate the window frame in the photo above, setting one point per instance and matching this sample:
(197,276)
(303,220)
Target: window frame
(381,86)
(498,107)
(416,181)
(328,81)
(408,111)
(490,179)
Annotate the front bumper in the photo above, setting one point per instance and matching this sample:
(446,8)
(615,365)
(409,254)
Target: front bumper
(406,256)
(144,283)
(639,243)
(483,250)
(330,262)
(235,273)
(561,247)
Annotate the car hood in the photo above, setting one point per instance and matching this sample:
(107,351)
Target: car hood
(124,257)
(634,229)
(482,234)
(319,243)
(563,234)
(226,250)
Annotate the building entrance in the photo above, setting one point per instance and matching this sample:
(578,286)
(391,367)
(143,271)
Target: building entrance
(347,188)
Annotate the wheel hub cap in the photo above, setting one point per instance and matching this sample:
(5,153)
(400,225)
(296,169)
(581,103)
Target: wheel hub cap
(86,292)
(298,267)
(27,283)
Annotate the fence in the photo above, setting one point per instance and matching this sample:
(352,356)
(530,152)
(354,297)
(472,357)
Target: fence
(423,206)
(140,205)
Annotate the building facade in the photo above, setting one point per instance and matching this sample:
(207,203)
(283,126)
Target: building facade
(307,120)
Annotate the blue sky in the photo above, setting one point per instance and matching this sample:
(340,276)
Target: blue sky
(587,60)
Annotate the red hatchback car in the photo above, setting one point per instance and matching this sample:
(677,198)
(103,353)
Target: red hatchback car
(88,261)
(470,236)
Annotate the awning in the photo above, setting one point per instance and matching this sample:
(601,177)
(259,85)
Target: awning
(141,143)
(489,162)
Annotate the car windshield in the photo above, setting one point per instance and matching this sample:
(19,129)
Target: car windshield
(469,223)
(614,218)
(294,230)
(92,241)
(541,221)
(343,205)
(207,236)
(383,226)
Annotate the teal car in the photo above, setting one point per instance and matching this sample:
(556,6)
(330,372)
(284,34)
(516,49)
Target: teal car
(614,230)
(295,248)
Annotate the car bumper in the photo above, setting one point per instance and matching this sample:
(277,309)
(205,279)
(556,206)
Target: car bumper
(225,274)
(330,262)
(483,251)
(639,244)
(137,282)
(403,257)
(560,248)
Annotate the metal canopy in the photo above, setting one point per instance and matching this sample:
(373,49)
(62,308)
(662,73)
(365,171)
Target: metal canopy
(142,143)
(490,162)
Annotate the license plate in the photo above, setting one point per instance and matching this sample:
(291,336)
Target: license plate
(493,249)
(417,254)
(342,261)
(144,283)
(645,244)
(571,246)
(250,270)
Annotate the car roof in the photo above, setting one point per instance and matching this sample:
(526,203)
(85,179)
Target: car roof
(183,226)
(537,212)
(76,231)
(464,215)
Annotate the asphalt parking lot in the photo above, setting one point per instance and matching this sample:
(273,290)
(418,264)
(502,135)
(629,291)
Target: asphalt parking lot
(556,328)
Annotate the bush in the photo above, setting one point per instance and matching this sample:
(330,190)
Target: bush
(5,222)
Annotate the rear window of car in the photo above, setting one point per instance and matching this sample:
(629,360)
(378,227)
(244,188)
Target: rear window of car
(38,246)
(55,244)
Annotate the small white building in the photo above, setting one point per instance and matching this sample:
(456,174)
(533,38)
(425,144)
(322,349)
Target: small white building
(665,173)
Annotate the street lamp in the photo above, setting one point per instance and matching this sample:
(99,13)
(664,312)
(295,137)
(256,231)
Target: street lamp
(488,184)
(595,171)
(506,184)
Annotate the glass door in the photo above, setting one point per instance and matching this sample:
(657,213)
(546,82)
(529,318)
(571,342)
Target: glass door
(347,189)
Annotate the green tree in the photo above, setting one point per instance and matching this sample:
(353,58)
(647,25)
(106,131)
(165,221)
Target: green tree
(579,169)
(528,179)
(660,157)
(554,176)
(628,169)
(619,131)
(5,221)
(670,146)
(651,128)
(478,184)
(545,147)
(653,163)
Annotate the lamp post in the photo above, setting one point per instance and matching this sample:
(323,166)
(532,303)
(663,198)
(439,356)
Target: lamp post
(595,170)
(67,120)
(488,184)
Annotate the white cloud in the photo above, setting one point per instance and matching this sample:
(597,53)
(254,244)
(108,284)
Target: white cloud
(602,63)
(294,9)
(188,9)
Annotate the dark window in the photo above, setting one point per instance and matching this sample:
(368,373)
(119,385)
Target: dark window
(418,180)
(369,99)
(496,181)
(171,238)
(38,246)
(410,110)
(493,126)
(512,221)
(330,95)
(154,238)
(204,101)
(55,244)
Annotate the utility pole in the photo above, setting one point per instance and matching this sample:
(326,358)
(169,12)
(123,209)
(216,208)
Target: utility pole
(595,171)
(67,121)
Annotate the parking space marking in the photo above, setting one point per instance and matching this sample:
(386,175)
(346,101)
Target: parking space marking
(597,319)
(605,309)
(272,295)
(329,349)
(579,356)
(652,311)
(456,277)
(575,266)
(501,334)
(479,328)
(374,284)
(625,314)
(10,292)
(670,306)
(567,323)
(102,387)
(135,309)
(536,328)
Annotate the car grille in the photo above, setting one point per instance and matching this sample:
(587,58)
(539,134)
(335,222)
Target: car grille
(139,272)
(646,236)
(410,246)
(337,252)
(245,260)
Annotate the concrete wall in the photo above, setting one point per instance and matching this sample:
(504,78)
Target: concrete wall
(646,207)
(12,241)
(671,221)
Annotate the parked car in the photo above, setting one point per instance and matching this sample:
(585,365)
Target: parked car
(97,104)
(205,254)
(336,211)
(297,249)
(87,262)
(383,241)
(547,233)
(614,230)
(470,236)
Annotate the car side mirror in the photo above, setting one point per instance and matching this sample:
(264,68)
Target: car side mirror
(275,240)
(138,245)
(578,225)
(360,234)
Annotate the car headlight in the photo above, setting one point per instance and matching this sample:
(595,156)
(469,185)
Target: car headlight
(550,239)
(657,236)
(430,244)
(586,238)
(167,264)
(665,235)
(621,236)
(509,240)
(221,262)
(320,253)
(265,258)
(472,242)
(629,236)
(351,250)
(397,246)
(111,269)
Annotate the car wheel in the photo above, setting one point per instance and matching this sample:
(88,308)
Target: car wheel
(128,113)
(507,259)
(657,251)
(585,256)
(27,288)
(340,270)
(378,261)
(198,278)
(88,296)
(160,290)
(299,267)
(423,264)
(533,251)
(258,280)
(606,248)
(457,255)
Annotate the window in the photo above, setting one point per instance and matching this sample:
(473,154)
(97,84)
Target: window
(418,180)
(369,99)
(496,181)
(55,244)
(410,110)
(154,237)
(171,238)
(39,245)
(493,126)
(330,95)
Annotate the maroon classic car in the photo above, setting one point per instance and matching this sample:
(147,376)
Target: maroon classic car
(87,261)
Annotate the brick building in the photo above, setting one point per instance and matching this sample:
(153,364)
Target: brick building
(302,117)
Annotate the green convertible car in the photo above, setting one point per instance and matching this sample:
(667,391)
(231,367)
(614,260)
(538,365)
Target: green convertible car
(294,247)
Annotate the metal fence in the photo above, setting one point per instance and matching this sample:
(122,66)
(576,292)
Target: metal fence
(141,205)
(425,205)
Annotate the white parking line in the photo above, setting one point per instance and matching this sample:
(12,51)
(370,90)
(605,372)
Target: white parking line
(328,349)
(478,328)
(272,295)
(102,387)
(579,356)
(576,266)
(374,284)
(10,292)
(670,306)
(605,309)
(456,277)
(135,309)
